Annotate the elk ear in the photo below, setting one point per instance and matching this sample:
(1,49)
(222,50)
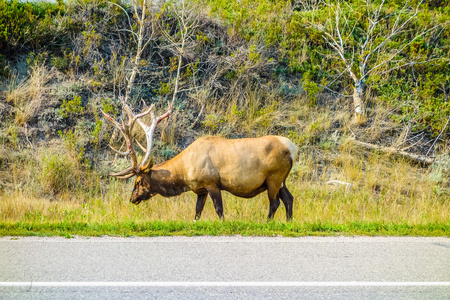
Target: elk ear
(148,166)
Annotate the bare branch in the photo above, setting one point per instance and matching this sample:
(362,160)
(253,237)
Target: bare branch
(393,33)
(140,146)
(412,145)
(341,43)
(392,150)
(204,103)
(348,186)
(129,21)
(334,92)
(400,50)
(408,64)
(448,119)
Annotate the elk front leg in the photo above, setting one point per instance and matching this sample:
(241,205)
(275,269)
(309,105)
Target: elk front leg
(272,192)
(216,197)
(274,203)
(201,199)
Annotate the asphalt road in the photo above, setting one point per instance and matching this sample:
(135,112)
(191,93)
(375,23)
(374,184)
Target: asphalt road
(225,268)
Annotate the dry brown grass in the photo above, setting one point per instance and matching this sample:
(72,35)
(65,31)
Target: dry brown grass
(384,190)
(27,96)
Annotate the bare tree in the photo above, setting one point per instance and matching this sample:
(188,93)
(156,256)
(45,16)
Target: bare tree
(187,20)
(364,45)
(174,33)
(142,18)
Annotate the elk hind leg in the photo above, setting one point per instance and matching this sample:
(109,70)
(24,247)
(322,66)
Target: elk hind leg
(288,200)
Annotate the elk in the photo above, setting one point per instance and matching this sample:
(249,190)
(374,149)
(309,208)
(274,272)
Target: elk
(243,167)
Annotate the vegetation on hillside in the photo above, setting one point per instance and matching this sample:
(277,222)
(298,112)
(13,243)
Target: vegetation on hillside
(240,69)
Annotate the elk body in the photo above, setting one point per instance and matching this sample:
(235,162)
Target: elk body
(244,167)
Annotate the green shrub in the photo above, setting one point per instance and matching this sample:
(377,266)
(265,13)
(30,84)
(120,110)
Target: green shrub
(27,24)
(71,107)
(59,173)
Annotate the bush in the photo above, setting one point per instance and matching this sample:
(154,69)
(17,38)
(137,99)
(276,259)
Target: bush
(59,172)
(26,25)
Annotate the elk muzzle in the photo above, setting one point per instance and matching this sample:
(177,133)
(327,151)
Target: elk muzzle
(135,201)
(140,194)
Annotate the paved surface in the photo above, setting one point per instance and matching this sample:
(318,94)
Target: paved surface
(225,268)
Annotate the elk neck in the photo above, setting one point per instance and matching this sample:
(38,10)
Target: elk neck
(167,180)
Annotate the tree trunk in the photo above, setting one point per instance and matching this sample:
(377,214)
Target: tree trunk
(357,100)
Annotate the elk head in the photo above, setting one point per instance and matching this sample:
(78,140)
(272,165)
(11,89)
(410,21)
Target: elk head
(141,190)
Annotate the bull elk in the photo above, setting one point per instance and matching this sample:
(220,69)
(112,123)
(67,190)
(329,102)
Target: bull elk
(244,167)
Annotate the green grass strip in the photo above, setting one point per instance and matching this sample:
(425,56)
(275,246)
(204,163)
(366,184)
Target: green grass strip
(216,228)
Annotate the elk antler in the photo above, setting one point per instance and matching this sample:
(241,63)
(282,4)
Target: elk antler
(150,130)
(126,129)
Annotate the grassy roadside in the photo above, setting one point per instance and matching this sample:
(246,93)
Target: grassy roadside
(215,228)
(388,197)
(372,208)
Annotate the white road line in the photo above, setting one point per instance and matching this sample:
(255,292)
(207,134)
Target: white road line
(226,284)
